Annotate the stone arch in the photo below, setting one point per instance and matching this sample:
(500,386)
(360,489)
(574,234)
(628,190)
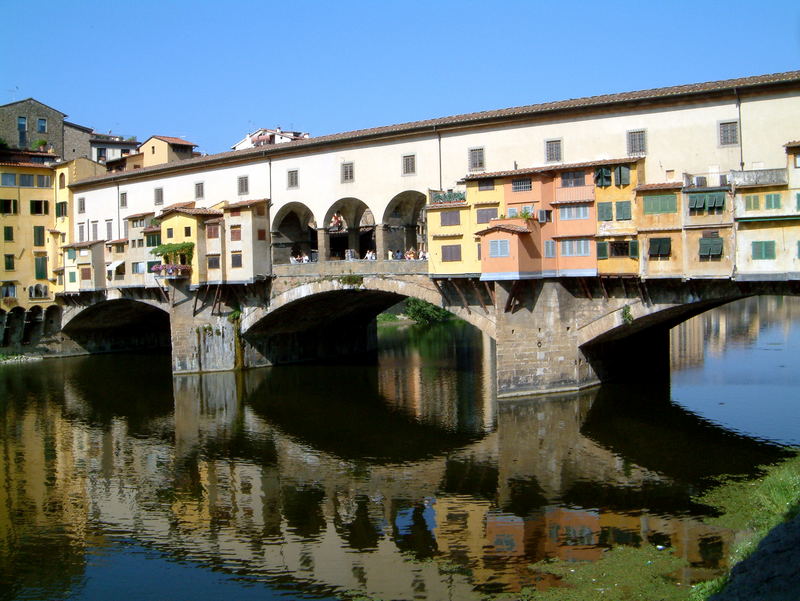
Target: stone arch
(294,231)
(14,325)
(52,320)
(34,325)
(349,225)
(403,222)
(118,324)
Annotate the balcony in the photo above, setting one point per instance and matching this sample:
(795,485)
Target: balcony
(575,194)
(758,177)
(171,271)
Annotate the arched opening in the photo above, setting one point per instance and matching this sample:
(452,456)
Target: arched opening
(349,230)
(119,325)
(294,233)
(52,320)
(14,326)
(34,325)
(403,225)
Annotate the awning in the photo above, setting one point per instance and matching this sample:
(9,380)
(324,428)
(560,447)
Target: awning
(113,265)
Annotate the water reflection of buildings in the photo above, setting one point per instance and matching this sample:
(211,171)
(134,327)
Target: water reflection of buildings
(735,323)
(261,498)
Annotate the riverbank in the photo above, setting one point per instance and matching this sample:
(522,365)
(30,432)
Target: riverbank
(4,359)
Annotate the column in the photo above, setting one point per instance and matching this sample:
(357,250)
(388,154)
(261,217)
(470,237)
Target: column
(323,244)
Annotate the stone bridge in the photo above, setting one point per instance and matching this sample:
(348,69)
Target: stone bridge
(551,335)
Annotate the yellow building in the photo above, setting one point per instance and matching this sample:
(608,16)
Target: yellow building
(615,195)
(660,226)
(452,220)
(183,242)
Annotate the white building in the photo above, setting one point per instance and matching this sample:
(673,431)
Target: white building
(262,137)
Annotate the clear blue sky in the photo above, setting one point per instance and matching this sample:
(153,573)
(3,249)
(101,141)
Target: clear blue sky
(211,71)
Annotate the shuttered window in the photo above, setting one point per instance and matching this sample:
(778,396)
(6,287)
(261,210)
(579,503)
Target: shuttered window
(710,247)
(450,217)
(602,250)
(573,179)
(660,247)
(38,235)
(485,215)
(575,248)
(451,252)
(486,184)
(476,159)
(623,210)
(763,250)
(602,177)
(660,203)
(573,212)
(40,267)
(549,249)
(752,202)
(772,201)
(622,175)
(499,248)
(243,184)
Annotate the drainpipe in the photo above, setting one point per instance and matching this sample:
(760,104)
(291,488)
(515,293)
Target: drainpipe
(439,138)
(741,129)
(119,218)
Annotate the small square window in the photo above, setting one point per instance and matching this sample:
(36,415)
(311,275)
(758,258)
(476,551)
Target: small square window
(292,180)
(262,234)
(236,233)
(552,151)
(123,199)
(409,164)
(729,133)
(485,184)
(213,261)
(187,231)
(41,126)
(169,232)
(158,196)
(348,172)
(521,185)
(199,190)
(243,185)
(236,259)
(477,160)
(637,142)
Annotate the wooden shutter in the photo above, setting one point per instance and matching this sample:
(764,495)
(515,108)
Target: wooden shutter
(633,249)
(623,210)
(602,250)
(40,266)
(622,175)
(38,235)
(605,211)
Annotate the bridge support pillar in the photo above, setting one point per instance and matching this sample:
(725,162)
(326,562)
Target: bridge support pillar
(201,342)
(323,244)
(380,242)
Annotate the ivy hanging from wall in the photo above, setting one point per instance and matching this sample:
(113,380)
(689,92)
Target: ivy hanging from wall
(175,250)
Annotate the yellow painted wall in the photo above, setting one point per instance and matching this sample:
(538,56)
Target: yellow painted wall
(177,222)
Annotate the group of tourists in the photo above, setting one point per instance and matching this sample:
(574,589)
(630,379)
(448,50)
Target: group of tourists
(410,255)
(300,258)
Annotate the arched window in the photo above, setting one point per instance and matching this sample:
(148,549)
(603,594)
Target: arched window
(62,181)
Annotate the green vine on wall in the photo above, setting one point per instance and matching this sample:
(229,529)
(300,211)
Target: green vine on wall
(627,318)
(174,250)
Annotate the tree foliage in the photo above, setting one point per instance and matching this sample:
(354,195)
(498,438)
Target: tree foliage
(425,313)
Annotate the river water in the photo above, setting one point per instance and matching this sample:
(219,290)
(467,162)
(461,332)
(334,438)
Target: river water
(399,478)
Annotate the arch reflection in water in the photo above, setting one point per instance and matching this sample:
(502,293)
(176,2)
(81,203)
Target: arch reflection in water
(403,479)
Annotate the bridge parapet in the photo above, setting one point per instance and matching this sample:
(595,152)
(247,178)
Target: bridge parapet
(358,267)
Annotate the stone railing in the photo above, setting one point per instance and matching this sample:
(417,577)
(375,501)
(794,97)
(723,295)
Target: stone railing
(758,177)
(335,268)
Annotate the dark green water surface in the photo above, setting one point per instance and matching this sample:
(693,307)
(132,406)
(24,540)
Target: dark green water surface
(399,477)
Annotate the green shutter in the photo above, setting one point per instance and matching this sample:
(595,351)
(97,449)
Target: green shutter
(40,265)
(756,250)
(797,198)
(622,175)
(605,211)
(769,249)
(602,177)
(602,250)
(697,201)
(71,277)
(705,247)
(623,210)
(38,235)
(715,248)
(716,200)
(8,233)
(663,203)
(633,249)
(666,246)
(71,254)
(773,201)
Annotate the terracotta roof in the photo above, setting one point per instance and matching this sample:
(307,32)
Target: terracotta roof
(138,215)
(172,140)
(579,201)
(83,244)
(176,205)
(120,241)
(661,186)
(213,220)
(548,168)
(152,229)
(793,144)
(191,211)
(607,100)
(504,227)
(244,204)
(37,165)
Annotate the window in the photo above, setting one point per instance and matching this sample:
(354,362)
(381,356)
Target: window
(158,196)
(569,213)
(549,249)
(40,268)
(198,190)
(527,210)
(261,210)
(8,233)
(752,202)
(153,239)
(728,133)
(43,181)
(450,217)
(713,202)
(575,248)
(40,207)
(772,201)
(499,248)
(605,211)
(763,250)
(8,179)
(8,262)
(212,231)
(41,126)
(101,154)
(552,151)
(151,264)
(169,233)
(623,210)
(25,180)
(62,181)
(22,130)
(637,142)
(236,233)
(137,267)
(236,259)
(123,200)
(187,231)
(660,203)
(86,273)
(81,205)
(660,247)
(476,159)
(81,232)
(602,177)
(710,246)
(8,206)
(94,230)
(485,184)
(544,215)
(261,234)
(451,252)
(213,261)
(622,175)
(348,173)
(236,212)
(522,184)
(513,212)
(109,229)
(292,179)
(485,215)
(629,249)
(573,179)
(409,164)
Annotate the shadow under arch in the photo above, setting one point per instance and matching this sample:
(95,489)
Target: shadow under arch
(403,227)
(294,232)
(119,325)
(349,225)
